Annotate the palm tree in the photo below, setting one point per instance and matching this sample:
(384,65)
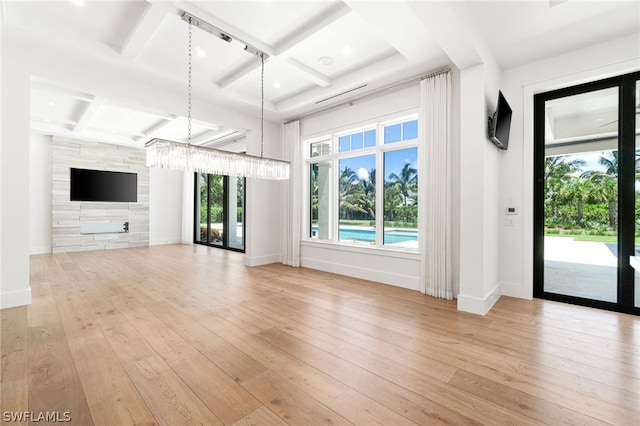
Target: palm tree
(406,182)
(609,160)
(606,183)
(557,172)
(392,197)
(577,189)
(605,190)
(355,196)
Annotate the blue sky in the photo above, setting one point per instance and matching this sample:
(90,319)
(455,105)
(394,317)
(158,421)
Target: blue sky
(591,159)
(394,162)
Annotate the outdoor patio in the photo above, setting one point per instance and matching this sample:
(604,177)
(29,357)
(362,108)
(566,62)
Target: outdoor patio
(583,269)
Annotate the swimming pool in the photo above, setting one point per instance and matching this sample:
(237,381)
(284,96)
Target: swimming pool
(393,236)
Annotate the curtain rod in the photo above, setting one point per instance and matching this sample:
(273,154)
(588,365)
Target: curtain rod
(372,94)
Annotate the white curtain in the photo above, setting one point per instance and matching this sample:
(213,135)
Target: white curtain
(291,250)
(435,186)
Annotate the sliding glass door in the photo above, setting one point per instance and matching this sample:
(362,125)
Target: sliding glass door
(219,211)
(636,243)
(586,194)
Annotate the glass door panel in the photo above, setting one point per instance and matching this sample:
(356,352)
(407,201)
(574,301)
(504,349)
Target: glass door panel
(581,169)
(219,211)
(216,222)
(201,208)
(637,195)
(235,212)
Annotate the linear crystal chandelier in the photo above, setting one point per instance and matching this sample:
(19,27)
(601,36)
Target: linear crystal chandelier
(185,156)
(181,156)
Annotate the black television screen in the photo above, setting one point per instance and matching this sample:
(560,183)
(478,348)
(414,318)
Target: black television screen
(102,185)
(500,123)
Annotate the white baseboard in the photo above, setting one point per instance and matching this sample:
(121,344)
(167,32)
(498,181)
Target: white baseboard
(261,260)
(40,250)
(162,242)
(516,290)
(370,274)
(479,306)
(15,298)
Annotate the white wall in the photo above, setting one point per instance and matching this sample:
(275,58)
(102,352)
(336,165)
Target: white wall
(479,188)
(14,178)
(165,206)
(1,144)
(40,188)
(265,206)
(516,165)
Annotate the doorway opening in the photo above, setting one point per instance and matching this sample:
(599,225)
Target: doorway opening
(587,194)
(220,211)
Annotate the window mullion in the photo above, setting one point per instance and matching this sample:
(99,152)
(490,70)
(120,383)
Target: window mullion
(379,187)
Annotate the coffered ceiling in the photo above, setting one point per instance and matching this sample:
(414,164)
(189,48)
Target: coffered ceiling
(320,52)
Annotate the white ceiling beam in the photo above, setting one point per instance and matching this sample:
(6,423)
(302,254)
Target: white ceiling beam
(309,73)
(235,143)
(224,138)
(213,138)
(37,118)
(246,67)
(136,109)
(397,23)
(344,83)
(88,113)
(205,124)
(316,25)
(37,84)
(205,137)
(155,130)
(454,29)
(147,25)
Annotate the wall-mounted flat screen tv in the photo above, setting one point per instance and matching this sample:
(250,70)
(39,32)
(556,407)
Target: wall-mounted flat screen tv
(105,186)
(500,123)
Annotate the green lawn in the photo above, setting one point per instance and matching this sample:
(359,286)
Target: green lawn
(584,237)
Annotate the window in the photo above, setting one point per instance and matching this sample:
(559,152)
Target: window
(320,189)
(357,199)
(219,211)
(401,197)
(347,204)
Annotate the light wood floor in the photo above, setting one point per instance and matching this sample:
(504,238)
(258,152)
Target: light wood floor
(187,335)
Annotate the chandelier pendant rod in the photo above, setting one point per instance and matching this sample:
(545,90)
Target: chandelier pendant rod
(180,156)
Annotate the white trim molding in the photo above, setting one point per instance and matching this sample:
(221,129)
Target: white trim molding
(479,306)
(13,299)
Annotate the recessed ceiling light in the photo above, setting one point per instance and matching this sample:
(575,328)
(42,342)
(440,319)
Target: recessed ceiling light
(201,52)
(276,84)
(46,120)
(51,103)
(346,50)
(325,60)
(77,2)
(599,119)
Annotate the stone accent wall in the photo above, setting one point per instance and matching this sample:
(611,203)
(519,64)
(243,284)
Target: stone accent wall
(67,216)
